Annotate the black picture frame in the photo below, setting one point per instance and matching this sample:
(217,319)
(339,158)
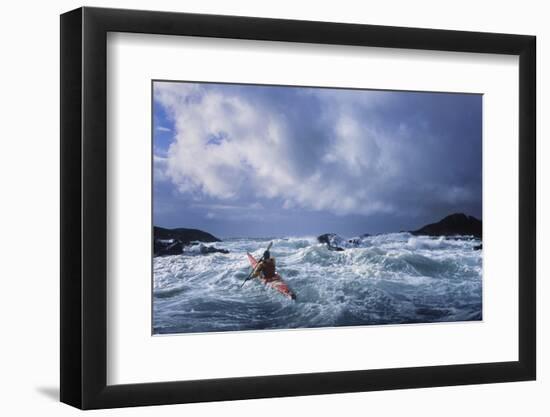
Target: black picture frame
(84,207)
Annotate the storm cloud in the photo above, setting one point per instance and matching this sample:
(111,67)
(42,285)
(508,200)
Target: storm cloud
(276,154)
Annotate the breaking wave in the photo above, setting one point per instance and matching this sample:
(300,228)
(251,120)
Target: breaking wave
(383,279)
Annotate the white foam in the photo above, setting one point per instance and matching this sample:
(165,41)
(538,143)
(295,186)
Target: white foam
(389,278)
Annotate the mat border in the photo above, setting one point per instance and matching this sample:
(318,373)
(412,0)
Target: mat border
(83,312)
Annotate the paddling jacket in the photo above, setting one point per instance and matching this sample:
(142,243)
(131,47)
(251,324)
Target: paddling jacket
(268,268)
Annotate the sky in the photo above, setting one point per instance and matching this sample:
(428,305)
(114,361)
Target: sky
(240,160)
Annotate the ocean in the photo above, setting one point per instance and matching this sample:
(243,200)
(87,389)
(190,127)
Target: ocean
(384,279)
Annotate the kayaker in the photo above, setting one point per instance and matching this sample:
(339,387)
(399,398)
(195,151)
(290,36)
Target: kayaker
(266,266)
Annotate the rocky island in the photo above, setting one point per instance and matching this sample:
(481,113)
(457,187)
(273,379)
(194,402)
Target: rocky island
(173,241)
(454,225)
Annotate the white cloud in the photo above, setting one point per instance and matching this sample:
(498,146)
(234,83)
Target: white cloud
(159,168)
(328,151)
(163,129)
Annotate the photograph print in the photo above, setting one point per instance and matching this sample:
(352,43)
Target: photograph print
(292,207)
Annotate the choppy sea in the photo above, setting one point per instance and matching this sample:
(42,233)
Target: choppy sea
(384,279)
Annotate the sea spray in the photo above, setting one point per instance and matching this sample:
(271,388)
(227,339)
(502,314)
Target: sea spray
(383,279)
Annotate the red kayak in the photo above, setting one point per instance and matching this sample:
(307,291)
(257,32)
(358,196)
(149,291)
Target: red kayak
(276,282)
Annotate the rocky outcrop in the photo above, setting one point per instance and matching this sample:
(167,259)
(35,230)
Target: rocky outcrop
(356,241)
(337,243)
(205,250)
(185,236)
(174,241)
(457,224)
(163,247)
(332,241)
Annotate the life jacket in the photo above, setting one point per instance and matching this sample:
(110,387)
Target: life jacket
(268,268)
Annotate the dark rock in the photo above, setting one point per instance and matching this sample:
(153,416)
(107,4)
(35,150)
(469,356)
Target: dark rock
(204,250)
(211,249)
(332,241)
(172,241)
(185,236)
(478,247)
(356,241)
(164,247)
(455,224)
(325,238)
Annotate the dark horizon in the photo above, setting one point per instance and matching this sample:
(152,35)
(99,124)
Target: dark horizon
(318,233)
